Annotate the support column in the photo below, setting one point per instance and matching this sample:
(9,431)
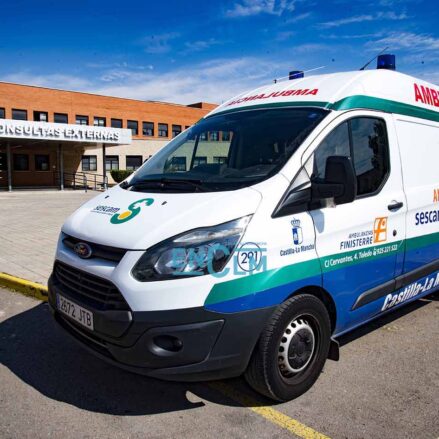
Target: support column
(61,166)
(9,164)
(104,169)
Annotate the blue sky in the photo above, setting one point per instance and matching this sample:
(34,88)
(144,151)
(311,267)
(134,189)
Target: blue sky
(187,51)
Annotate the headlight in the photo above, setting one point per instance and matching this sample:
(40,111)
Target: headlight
(195,253)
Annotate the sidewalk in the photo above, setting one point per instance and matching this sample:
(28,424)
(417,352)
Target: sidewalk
(30,223)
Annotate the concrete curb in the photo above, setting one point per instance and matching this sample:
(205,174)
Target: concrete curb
(24,286)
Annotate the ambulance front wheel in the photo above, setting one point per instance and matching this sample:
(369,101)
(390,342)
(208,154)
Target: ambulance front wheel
(292,349)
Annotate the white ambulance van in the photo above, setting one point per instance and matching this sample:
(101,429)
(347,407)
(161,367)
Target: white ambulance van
(286,217)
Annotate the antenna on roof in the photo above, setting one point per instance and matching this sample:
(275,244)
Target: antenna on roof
(374,58)
(276,80)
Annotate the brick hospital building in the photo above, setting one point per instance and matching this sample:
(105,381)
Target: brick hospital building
(57,138)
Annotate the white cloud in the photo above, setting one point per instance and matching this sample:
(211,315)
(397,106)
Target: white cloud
(160,43)
(117,65)
(213,81)
(310,47)
(197,46)
(363,18)
(354,36)
(246,8)
(408,41)
(432,77)
(298,18)
(66,82)
(283,36)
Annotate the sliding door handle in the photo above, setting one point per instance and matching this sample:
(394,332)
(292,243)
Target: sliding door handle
(395,205)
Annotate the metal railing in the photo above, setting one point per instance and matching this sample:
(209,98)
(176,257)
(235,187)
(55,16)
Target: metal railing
(85,181)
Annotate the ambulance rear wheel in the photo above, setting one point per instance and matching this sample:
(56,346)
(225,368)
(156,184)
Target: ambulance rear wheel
(292,349)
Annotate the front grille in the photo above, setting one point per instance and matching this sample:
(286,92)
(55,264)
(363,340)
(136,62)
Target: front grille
(88,339)
(98,250)
(89,289)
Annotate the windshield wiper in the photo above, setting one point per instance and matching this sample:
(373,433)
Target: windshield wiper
(163,182)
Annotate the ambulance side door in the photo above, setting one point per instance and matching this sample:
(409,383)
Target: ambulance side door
(361,244)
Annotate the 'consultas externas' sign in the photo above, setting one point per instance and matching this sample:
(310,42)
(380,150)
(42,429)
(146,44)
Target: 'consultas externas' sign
(17,129)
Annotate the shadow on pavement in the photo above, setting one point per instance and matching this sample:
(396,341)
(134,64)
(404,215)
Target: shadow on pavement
(43,356)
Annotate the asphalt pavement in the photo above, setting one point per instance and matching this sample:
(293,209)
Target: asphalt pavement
(386,385)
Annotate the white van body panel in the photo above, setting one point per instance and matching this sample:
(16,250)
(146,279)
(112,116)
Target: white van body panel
(419,147)
(168,215)
(311,250)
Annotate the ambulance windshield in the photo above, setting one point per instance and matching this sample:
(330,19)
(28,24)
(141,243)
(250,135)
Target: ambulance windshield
(226,152)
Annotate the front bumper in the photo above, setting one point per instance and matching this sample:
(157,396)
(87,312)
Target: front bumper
(184,344)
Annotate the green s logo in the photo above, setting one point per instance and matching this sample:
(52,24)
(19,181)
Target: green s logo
(132,211)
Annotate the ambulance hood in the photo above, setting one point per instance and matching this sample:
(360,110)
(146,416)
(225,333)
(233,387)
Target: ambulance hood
(138,220)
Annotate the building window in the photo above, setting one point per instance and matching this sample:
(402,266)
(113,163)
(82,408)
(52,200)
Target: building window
(100,122)
(2,113)
(42,162)
(177,164)
(3,162)
(148,128)
(201,160)
(81,120)
(89,163)
(21,162)
(133,125)
(163,130)
(111,162)
(187,127)
(225,136)
(203,135)
(176,130)
(133,162)
(60,118)
(41,116)
(116,123)
(19,114)
(219,160)
(214,136)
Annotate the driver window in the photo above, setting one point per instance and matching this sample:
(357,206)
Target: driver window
(364,139)
(336,143)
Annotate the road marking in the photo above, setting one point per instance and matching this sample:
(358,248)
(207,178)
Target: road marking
(270,414)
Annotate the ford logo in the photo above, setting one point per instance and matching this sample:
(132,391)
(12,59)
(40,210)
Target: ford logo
(83,250)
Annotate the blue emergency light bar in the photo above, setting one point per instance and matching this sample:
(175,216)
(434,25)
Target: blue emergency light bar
(386,61)
(295,74)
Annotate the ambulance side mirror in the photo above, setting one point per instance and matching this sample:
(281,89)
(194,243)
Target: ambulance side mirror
(294,201)
(340,182)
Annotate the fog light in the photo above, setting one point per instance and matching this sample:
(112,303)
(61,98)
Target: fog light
(168,343)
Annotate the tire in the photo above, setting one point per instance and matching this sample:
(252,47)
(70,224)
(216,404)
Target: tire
(300,327)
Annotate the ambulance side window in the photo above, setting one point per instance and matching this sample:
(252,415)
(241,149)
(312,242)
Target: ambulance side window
(370,153)
(335,143)
(364,139)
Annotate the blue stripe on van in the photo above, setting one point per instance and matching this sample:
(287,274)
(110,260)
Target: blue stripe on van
(343,289)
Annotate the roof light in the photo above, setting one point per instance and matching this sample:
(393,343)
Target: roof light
(386,61)
(295,74)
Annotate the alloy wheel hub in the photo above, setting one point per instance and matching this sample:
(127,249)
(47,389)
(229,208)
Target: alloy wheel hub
(296,347)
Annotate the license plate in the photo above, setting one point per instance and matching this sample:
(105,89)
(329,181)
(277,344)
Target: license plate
(74,311)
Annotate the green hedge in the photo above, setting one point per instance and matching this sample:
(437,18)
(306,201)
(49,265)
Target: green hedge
(120,174)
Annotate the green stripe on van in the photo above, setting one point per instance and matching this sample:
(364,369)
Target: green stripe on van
(370,103)
(250,284)
(422,241)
